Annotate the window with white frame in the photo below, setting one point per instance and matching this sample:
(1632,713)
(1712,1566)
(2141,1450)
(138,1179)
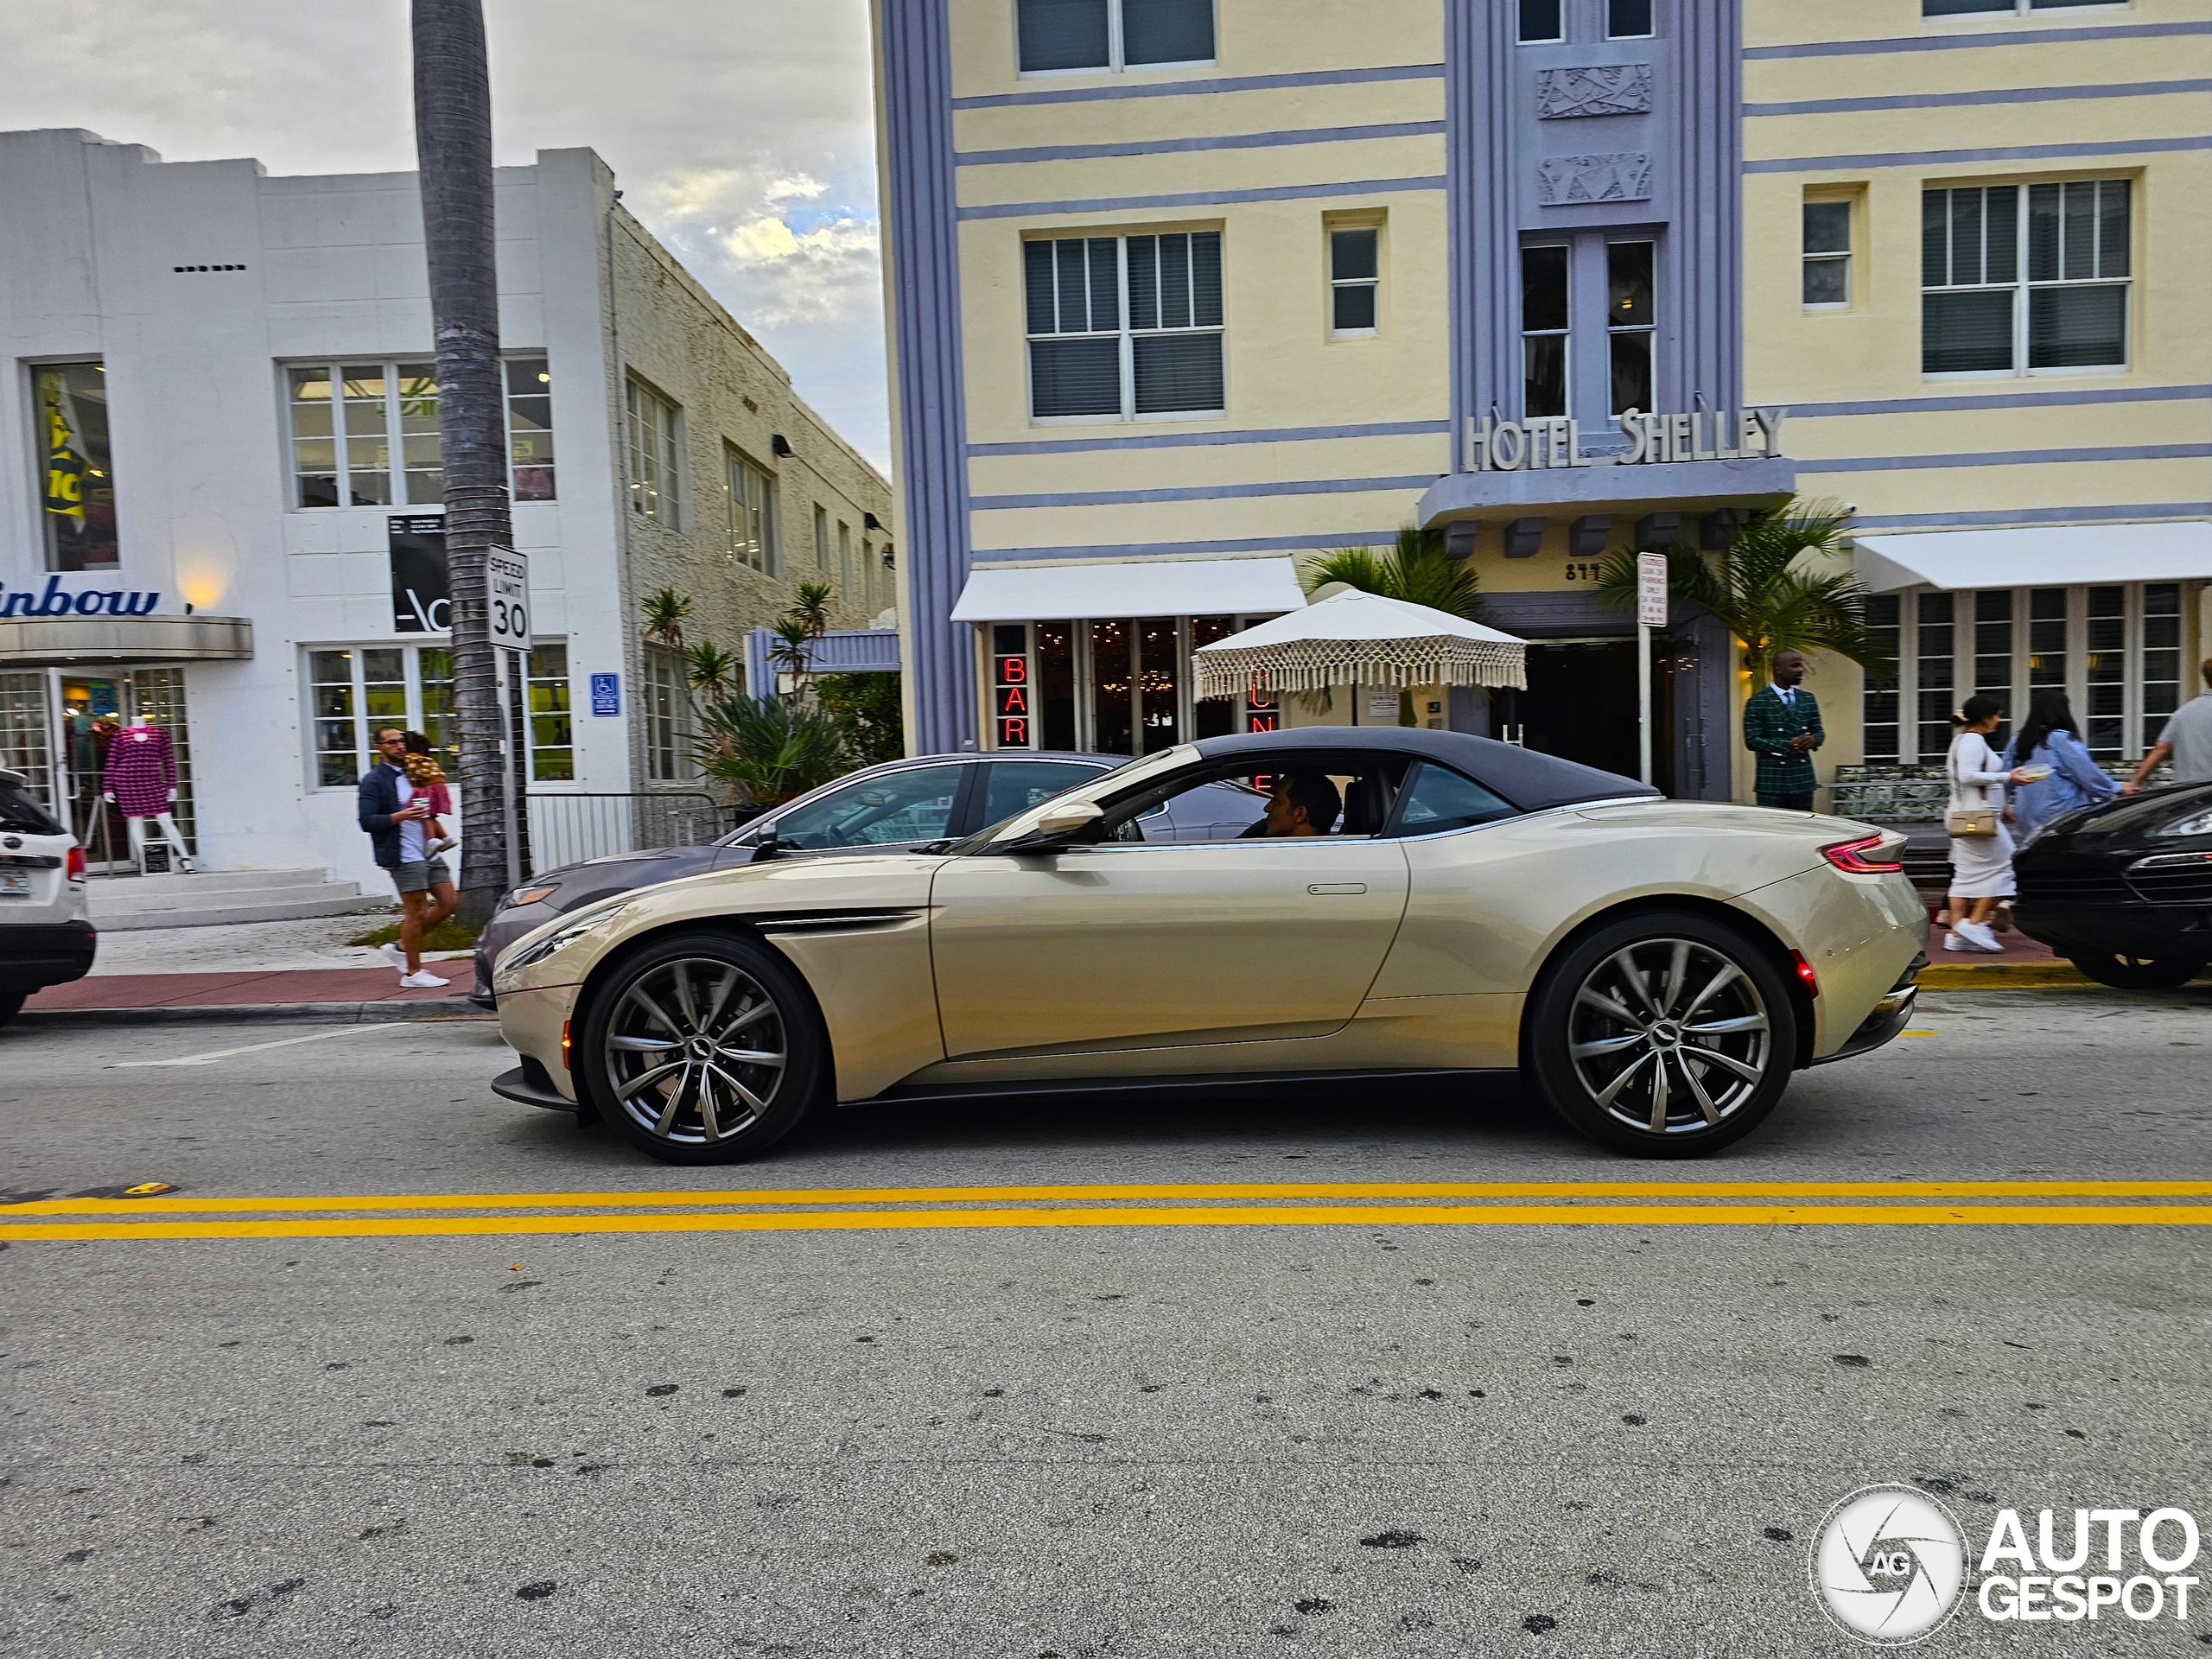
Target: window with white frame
(668,717)
(354,691)
(2008,8)
(1079,36)
(653,450)
(749,494)
(1630,323)
(367,434)
(1355,280)
(2115,648)
(1125,328)
(1627,19)
(2026,279)
(551,719)
(1544,315)
(1542,20)
(1827,256)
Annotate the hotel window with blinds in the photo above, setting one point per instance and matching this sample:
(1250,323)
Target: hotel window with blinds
(2026,279)
(2115,650)
(1125,328)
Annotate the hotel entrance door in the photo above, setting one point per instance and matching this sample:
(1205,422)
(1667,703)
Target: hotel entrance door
(1580,704)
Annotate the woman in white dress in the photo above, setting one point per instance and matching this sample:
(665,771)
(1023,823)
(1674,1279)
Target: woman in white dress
(1981,865)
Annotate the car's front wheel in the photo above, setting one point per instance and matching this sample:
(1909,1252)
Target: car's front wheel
(703,1049)
(1665,1035)
(2127,973)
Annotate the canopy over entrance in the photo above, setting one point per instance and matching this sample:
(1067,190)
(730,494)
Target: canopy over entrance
(2036,556)
(1130,588)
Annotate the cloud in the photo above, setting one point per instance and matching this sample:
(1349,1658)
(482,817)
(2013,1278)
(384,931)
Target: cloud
(741,130)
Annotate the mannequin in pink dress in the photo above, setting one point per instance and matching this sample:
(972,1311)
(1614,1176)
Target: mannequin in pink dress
(141,783)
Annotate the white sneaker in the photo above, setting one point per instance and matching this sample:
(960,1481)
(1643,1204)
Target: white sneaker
(394,955)
(443,844)
(1953,942)
(422,980)
(1978,938)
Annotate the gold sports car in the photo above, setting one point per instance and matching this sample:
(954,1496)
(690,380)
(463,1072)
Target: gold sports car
(1394,903)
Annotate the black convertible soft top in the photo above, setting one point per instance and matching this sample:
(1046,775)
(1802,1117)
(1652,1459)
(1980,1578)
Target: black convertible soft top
(1531,781)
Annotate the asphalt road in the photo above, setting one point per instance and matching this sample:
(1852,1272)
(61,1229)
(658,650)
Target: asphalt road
(1130,1439)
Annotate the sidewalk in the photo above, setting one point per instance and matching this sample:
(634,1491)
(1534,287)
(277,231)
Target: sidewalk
(328,994)
(2023,964)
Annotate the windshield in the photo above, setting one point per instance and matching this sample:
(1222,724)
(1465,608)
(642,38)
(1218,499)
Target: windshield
(21,812)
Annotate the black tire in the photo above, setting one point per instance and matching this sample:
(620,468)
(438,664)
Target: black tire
(11,1004)
(2126,973)
(1610,1090)
(701,993)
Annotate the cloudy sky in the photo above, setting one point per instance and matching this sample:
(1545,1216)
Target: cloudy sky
(739,129)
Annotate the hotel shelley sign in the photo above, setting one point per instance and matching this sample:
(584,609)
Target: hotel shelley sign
(1556,442)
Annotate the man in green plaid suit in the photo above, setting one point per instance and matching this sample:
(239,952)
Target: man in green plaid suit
(1782,726)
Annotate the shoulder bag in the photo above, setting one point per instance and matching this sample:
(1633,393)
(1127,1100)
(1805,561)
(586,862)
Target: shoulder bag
(1968,822)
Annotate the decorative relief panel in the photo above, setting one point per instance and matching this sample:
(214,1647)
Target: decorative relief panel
(1600,89)
(1622,176)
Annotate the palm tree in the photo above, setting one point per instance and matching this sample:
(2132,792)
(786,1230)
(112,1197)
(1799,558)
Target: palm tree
(768,749)
(665,613)
(711,671)
(1413,569)
(453,144)
(1757,591)
(811,610)
(794,650)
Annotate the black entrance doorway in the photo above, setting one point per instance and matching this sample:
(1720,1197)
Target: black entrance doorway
(1581,705)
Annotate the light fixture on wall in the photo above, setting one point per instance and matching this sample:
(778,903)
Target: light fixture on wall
(780,446)
(870,521)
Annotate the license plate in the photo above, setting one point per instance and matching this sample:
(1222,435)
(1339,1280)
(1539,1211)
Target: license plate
(14,884)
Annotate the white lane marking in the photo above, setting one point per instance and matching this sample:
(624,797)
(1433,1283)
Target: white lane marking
(249,1048)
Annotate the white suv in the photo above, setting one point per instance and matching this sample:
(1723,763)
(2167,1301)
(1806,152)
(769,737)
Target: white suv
(46,931)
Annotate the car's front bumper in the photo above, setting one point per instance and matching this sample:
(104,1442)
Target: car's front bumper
(535,1024)
(2154,932)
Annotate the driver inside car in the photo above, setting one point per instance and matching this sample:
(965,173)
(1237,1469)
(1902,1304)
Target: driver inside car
(1300,804)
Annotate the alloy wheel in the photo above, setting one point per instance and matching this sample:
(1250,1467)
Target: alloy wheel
(695,1050)
(1669,1036)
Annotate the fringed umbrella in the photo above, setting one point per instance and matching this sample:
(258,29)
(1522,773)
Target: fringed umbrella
(1360,638)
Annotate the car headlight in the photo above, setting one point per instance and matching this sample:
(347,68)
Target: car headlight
(530,895)
(2197,823)
(536,950)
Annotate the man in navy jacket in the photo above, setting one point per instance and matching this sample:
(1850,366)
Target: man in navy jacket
(393,819)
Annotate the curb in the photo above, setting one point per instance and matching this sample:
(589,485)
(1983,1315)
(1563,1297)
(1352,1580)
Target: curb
(2026,976)
(321,1013)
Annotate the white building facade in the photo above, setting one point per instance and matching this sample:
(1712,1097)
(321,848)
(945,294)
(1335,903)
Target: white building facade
(223,516)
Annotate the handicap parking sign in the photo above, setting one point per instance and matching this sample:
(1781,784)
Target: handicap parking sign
(606,694)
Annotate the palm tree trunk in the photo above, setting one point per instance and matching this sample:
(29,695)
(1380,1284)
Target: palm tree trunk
(452,142)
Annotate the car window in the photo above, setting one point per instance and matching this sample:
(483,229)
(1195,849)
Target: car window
(20,812)
(1012,786)
(1439,798)
(1321,793)
(898,806)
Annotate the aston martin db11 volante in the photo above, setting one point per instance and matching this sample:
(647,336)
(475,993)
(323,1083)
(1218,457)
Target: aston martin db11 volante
(1407,903)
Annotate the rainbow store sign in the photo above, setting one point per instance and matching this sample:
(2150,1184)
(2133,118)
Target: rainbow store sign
(1556,442)
(54,602)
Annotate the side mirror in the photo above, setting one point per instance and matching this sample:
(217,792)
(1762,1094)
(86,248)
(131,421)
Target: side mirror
(1062,825)
(766,846)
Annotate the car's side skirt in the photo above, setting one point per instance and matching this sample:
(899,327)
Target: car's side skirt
(931,1094)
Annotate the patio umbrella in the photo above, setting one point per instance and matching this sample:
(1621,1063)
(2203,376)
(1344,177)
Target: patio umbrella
(1359,639)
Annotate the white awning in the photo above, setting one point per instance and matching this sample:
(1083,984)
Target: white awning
(2051,556)
(1137,587)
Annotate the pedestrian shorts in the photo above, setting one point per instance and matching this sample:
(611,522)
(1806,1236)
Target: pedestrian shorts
(421,875)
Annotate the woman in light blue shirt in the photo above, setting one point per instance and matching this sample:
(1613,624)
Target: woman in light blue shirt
(2050,738)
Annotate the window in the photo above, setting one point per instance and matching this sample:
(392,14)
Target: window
(1934,642)
(76,467)
(530,427)
(1012,786)
(668,723)
(1629,323)
(1879,702)
(845,585)
(1355,279)
(2162,671)
(749,495)
(1627,19)
(2070,241)
(2005,8)
(365,435)
(653,455)
(881,811)
(821,537)
(1543,331)
(354,691)
(1125,328)
(1438,800)
(868,578)
(1827,256)
(1070,36)
(552,730)
(1542,20)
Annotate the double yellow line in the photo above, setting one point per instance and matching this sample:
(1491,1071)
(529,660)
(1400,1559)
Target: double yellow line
(1636,1204)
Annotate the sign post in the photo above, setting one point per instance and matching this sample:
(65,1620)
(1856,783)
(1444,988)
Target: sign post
(1650,612)
(506,584)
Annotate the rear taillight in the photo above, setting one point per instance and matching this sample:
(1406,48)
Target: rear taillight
(1862,857)
(76,870)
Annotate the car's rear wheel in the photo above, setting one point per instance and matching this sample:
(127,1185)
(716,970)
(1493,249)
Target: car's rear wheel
(2127,973)
(703,1049)
(1665,1035)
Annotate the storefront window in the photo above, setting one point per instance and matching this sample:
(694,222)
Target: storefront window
(1157,684)
(552,730)
(1938,700)
(76,467)
(1215,716)
(1113,722)
(1055,679)
(354,690)
(23,746)
(2105,672)
(1878,709)
(2162,663)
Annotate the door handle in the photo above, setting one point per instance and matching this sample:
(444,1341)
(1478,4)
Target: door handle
(1330,889)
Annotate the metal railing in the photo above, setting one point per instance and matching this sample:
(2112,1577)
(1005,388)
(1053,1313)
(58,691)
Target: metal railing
(567,827)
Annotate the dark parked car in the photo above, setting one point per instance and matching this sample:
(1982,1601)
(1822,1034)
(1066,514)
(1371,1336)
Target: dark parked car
(898,806)
(2124,890)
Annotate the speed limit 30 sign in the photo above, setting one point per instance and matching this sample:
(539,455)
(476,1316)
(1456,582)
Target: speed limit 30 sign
(506,577)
